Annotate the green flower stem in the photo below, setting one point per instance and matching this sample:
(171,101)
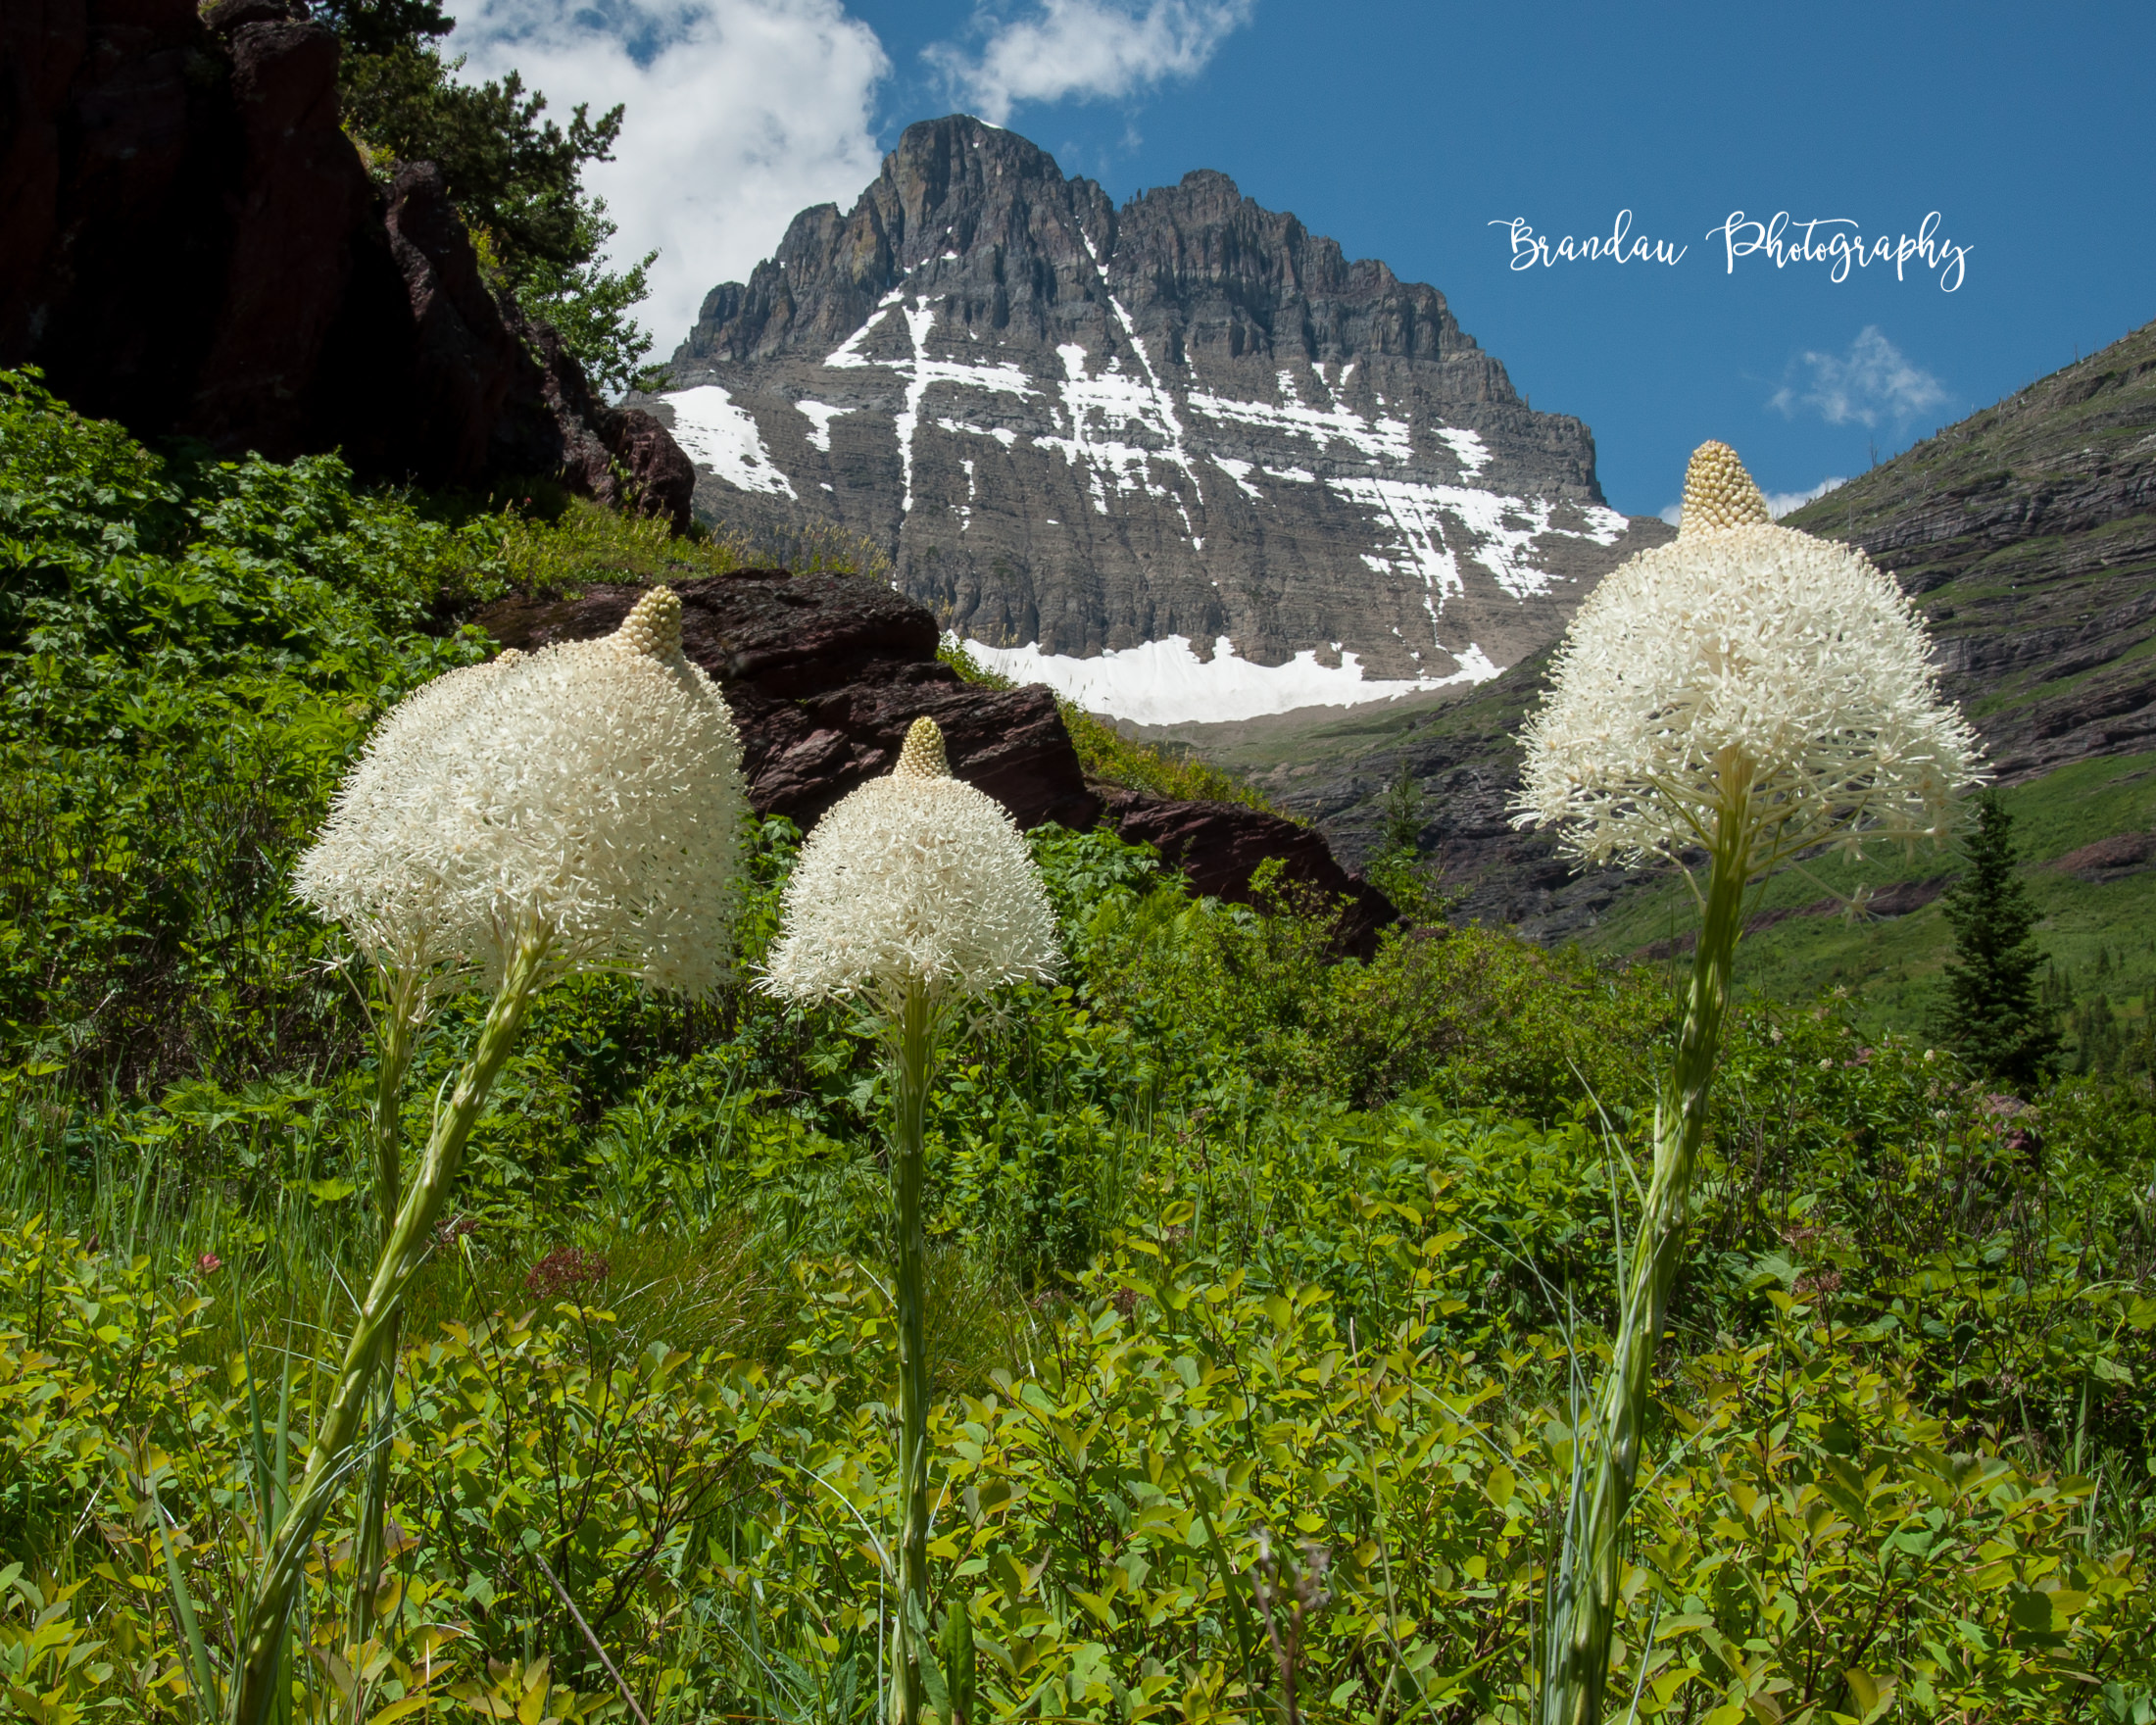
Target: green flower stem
(400,1026)
(1584,1601)
(263,1640)
(916,1053)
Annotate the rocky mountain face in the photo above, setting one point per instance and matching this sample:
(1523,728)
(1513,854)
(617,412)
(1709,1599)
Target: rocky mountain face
(189,243)
(826,673)
(1180,458)
(2027,533)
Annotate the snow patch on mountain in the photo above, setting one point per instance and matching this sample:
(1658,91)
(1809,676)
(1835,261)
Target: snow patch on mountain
(717,434)
(1165,682)
(921,373)
(1501,530)
(819,416)
(1383,440)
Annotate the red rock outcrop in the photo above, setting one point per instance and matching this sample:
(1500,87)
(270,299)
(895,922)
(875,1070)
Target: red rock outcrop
(825,673)
(1219,846)
(2112,859)
(189,243)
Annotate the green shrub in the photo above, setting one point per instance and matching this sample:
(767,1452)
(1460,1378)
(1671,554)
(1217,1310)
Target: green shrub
(1814,1539)
(188,653)
(554,545)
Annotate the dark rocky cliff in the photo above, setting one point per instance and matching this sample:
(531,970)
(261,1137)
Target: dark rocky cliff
(190,244)
(2027,533)
(1089,428)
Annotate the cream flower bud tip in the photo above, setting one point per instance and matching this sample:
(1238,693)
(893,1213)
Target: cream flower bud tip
(924,756)
(1719,494)
(653,626)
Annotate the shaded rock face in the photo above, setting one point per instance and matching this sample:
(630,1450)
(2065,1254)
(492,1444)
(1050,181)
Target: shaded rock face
(189,243)
(826,673)
(1219,846)
(621,457)
(1086,428)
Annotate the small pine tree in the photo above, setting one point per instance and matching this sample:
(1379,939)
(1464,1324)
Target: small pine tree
(1993,1014)
(1397,869)
(1401,828)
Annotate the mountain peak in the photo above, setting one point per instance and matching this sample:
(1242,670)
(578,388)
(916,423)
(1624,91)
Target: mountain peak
(1186,428)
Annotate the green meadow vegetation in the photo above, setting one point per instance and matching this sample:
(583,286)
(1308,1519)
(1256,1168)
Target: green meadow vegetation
(1267,1290)
(2094,932)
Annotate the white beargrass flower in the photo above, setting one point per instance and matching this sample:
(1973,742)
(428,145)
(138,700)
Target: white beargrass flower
(918,879)
(1744,670)
(396,921)
(917,895)
(590,792)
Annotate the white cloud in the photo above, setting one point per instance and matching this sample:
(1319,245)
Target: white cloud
(740,113)
(1872,382)
(1084,48)
(1779,503)
(1784,503)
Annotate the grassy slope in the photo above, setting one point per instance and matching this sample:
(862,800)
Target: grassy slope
(1891,965)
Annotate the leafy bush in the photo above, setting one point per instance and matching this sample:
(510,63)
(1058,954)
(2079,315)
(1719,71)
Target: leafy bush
(1814,1540)
(188,653)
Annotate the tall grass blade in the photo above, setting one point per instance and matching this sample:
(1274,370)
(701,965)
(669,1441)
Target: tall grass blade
(208,1704)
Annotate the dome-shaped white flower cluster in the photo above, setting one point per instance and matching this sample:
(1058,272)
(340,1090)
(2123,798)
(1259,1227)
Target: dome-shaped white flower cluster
(1743,666)
(915,878)
(592,790)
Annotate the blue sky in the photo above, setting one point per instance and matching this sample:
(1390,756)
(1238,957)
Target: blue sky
(1404,129)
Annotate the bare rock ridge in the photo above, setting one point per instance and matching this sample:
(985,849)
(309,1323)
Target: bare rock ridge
(824,674)
(189,244)
(1186,425)
(2026,534)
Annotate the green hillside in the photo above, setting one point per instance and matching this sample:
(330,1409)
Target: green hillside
(2099,932)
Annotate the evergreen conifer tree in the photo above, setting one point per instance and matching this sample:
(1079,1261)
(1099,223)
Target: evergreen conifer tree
(1399,869)
(1993,1014)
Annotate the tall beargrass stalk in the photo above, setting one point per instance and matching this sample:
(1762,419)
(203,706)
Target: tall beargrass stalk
(918,893)
(1754,693)
(402,1011)
(578,810)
